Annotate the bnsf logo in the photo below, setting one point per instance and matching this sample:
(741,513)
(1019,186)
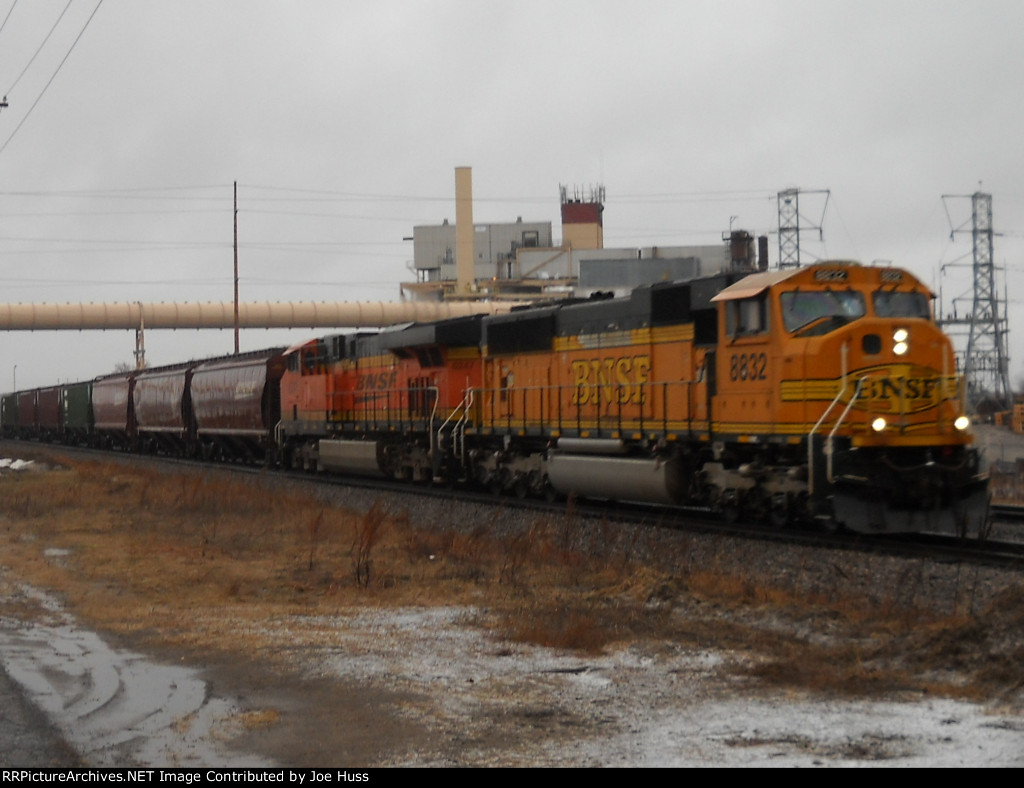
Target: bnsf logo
(902,390)
(610,379)
(377,381)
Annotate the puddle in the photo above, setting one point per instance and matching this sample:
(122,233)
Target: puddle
(117,708)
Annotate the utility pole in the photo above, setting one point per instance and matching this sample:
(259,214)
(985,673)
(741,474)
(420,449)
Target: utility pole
(985,362)
(789,225)
(236,268)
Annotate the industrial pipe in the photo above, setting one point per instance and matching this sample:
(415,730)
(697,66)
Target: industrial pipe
(295,314)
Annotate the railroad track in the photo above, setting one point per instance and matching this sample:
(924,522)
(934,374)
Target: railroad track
(1001,551)
(1007,512)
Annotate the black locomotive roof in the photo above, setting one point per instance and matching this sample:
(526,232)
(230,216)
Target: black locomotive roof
(534,328)
(662,304)
(666,303)
(368,345)
(592,318)
(521,331)
(457,332)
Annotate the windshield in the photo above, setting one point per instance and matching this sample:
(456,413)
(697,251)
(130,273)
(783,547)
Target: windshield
(802,309)
(890,304)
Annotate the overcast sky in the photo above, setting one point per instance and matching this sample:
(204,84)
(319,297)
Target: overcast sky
(342,123)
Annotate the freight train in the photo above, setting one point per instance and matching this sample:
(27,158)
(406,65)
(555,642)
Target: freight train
(825,394)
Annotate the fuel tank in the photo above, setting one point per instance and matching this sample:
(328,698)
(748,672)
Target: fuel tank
(617,478)
(361,457)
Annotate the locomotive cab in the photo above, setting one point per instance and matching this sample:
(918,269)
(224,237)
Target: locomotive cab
(842,365)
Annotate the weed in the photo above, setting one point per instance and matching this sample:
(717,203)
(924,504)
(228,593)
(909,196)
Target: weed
(205,559)
(368,531)
(578,628)
(314,535)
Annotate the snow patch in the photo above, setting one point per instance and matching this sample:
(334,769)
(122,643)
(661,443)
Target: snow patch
(15,465)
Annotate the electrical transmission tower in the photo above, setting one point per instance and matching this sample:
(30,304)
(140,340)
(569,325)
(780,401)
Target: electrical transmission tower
(789,226)
(985,362)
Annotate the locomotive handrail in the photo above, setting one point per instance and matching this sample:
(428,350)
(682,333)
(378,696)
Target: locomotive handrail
(640,406)
(460,427)
(814,429)
(464,405)
(839,421)
(398,400)
(433,414)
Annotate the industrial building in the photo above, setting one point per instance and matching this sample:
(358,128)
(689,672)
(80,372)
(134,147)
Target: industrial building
(520,260)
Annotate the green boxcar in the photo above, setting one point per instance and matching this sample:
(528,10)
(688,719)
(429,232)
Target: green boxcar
(76,412)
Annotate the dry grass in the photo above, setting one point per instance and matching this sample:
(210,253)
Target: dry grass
(201,560)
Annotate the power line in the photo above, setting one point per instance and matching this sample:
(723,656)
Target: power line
(40,49)
(9,12)
(110,192)
(53,77)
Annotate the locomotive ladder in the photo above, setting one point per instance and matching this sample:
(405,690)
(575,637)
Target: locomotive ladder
(839,422)
(458,430)
(845,349)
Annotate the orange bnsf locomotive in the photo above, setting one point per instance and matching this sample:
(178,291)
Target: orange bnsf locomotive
(824,393)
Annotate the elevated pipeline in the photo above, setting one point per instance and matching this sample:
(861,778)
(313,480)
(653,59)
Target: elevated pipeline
(295,314)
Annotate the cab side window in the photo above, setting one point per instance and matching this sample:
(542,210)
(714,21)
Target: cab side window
(747,317)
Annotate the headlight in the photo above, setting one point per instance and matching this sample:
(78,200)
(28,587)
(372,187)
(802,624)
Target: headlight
(962,423)
(900,337)
(878,424)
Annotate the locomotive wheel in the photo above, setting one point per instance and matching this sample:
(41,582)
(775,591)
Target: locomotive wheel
(779,513)
(778,517)
(730,506)
(757,507)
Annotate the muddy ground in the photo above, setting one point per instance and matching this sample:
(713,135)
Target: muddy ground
(421,688)
(741,654)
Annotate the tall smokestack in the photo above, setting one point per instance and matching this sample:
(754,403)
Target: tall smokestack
(465,265)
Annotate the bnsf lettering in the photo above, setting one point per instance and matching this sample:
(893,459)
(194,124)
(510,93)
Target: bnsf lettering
(905,388)
(377,381)
(610,379)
